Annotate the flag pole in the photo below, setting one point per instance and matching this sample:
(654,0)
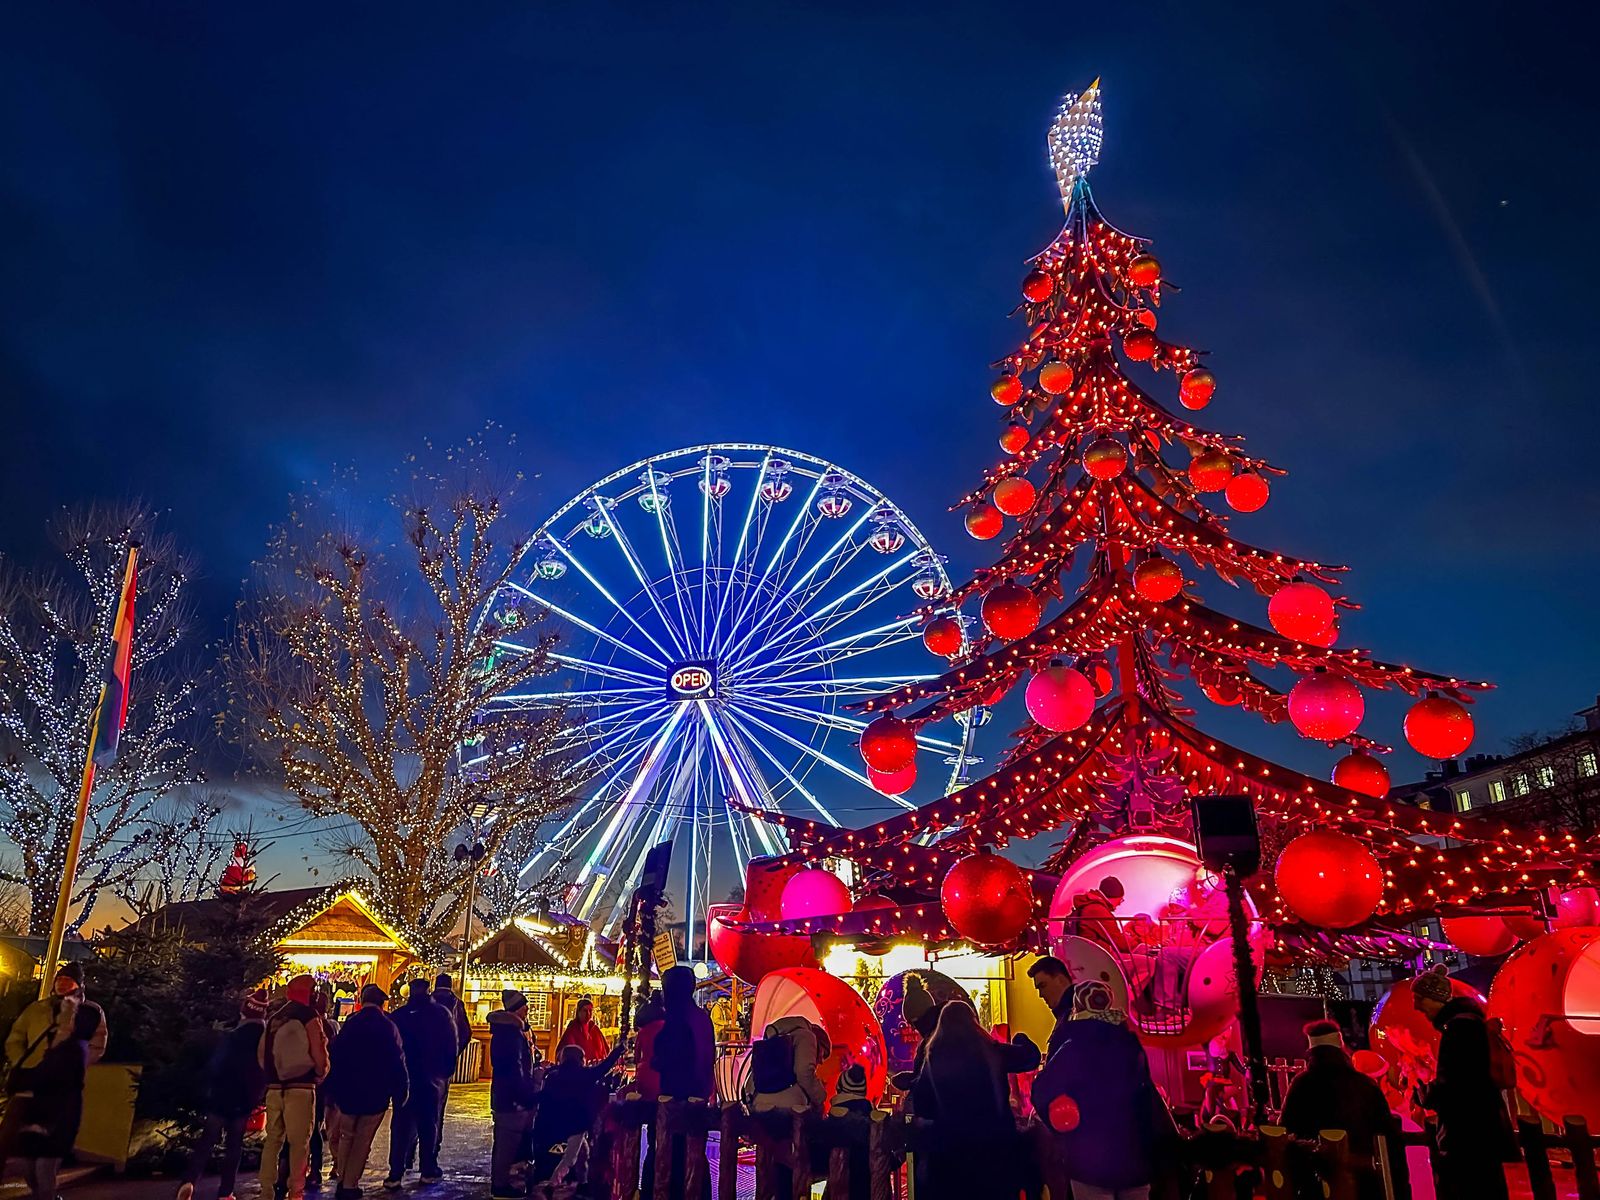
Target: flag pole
(69,868)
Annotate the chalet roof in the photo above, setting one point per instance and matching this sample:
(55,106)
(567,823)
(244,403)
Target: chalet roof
(280,911)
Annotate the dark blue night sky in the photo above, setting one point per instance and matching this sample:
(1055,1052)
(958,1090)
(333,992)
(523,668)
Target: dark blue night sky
(239,244)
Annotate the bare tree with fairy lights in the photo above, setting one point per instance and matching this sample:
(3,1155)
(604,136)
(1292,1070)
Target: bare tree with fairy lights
(363,670)
(55,646)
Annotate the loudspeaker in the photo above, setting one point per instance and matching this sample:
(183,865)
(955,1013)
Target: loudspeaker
(1226,834)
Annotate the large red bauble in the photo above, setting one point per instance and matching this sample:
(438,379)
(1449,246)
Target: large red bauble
(1144,271)
(1140,344)
(1326,707)
(943,636)
(1542,994)
(1014,496)
(1246,492)
(888,744)
(1576,907)
(987,898)
(1011,611)
(814,892)
(1006,390)
(1105,458)
(1300,610)
(1060,698)
(1482,937)
(984,522)
(1037,286)
(1361,772)
(1210,471)
(1329,879)
(1055,378)
(1014,438)
(893,783)
(1438,727)
(1326,638)
(1157,579)
(1196,388)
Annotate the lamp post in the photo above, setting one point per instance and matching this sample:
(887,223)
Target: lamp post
(473,852)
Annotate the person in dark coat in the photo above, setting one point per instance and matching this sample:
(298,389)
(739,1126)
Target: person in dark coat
(56,1109)
(963,1089)
(1474,1128)
(920,1011)
(513,1088)
(683,1054)
(572,1097)
(1097,1098)
(1053,982)
(428,1034)
(367,1075)
(236,1085)
(1331,1094)
(444,995)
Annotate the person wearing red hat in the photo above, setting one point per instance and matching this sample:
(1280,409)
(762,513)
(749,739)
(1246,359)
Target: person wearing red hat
(294,1059)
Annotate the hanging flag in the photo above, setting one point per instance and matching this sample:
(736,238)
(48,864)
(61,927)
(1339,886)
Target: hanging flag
(112,712)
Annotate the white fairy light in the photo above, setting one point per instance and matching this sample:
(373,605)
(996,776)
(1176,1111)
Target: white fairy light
(1075,139)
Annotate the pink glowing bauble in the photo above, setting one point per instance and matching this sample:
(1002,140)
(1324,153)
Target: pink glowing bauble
(1547,996)
(826,1000)
(1329,879)
(987,898)
(814,892)
(1300,610)
(752,956)
(1405,1037)
(1011,611)
(893,783)
(1060,698)
(1361,772)
(1577,907)
(1481,937)
(888,744)
(1438,727)
(1014,496)
(1326,707)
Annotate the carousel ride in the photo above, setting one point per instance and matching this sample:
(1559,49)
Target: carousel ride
(1092,617)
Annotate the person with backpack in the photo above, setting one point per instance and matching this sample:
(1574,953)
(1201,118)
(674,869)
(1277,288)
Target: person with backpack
(319,1123)
(783,1066)
(294,1058)
(50,1125)
(1331,1094)
(428,1033)
(1475,1137)
(41,1025)
(368,1074)
(235,1086)
(514,1088)
(444,995)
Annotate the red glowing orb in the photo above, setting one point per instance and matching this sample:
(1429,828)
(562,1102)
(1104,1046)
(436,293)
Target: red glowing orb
(1105,458)
(1196,388)
(1144,271)
(1300,610)
(1482,937)
(1055,378)
(1210,471)
(1140,344)
(1006,390)
(984,522)
(1246,492)
(893,783)
(943,637)
(1037,286)
(1060,698)
(1329,879)
(1157,579)
(1011,611)
(1014,496)
(1438,727)
(1359,771)
(1326,707)
(888,744)
(987,898)
(1014,438)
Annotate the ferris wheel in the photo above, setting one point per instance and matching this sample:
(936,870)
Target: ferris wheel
(716,607)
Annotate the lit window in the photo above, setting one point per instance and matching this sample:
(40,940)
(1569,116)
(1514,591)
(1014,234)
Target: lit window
(1497,791)
(1546,777)
(1463,801)
(1588,763)
(1519,785)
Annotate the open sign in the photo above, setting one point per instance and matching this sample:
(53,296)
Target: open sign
(693,680)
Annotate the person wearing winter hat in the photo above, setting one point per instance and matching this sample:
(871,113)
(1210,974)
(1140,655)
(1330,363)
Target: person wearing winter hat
(428,1033)
(367,1075)
(444,995)
(1475,1135)
(1094,916)
(1092,1000)
(850,1096)
(234,1088)
(41,1025)
(294,1058)
(584,1032)
(1331,1094)
(920,1011)
(513,1089)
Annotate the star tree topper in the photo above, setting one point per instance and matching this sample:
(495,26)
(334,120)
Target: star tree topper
(1075,139)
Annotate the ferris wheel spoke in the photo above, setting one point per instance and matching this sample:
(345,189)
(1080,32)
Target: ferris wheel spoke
(830,616)
(606,670)
(626,547)
(757,586)
(835,720)
(826,689)
(724,766)
(750,740)
(672,548)
(738,552)
(848,646)
(612,600)
(825,759)
(551,606)
(566,697)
